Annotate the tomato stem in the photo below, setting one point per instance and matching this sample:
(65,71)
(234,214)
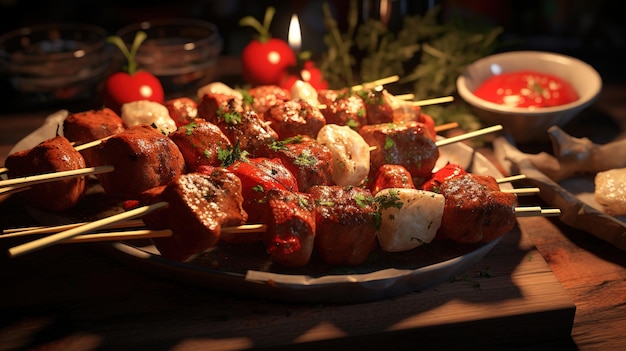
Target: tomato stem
(131,63)
(263,30)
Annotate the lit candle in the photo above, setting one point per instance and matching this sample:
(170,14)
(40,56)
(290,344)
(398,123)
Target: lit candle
(295,35)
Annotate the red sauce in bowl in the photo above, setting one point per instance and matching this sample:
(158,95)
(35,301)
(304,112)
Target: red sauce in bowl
(527,89)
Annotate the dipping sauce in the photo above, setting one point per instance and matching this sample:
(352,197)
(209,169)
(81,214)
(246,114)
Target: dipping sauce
(527,89)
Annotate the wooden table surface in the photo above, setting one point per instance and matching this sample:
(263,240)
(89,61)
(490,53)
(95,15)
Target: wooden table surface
(549,287)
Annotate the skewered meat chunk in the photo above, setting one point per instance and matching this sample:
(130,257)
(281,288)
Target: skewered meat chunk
(382,107)
(391,176)
(240,124)
(345,227)
(290,234)
(182,110)
(408,144)
(309,161)
(52,155)
(291,118)
(200,142)
(258,176)
(87,126)
(350,152)
(266,96)
(475,209)
(142,157)
(199,205)
(344,108)
(610,191)
(83,127)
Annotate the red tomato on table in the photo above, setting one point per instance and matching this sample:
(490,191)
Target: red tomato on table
(264,62)
(123,87)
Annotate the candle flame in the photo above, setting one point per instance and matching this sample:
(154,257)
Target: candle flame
(295,36)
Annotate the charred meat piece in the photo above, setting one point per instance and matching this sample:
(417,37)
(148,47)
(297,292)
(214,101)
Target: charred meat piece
(239,123)
(87,126)
(345,225)
(142,157)
(383,107)
(475,209)
(342,107)
(199,205)
(407,144)
(309,161)
(291,118)
(52,155)
(200,142)
(83,127)
(290,234)
(391,176)
(258,176)
(266,96)
(183,110)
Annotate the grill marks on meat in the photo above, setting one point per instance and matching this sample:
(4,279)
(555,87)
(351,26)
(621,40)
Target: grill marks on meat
(475,209)
(408,144)
(86,126)
(200,143)
(344,216)
(391,176)
(343,108)
(266,96)
(52,155)
(241,124)
(290,235)
(291,118)
(182,110)
(142,157)
(200,204)
(309,161)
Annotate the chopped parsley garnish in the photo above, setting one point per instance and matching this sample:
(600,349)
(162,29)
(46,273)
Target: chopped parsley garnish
(231,154)
(305,159)
(190,127)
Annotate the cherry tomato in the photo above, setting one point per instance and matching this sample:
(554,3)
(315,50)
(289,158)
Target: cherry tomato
(264,62)
(448,171)
(122,87)
(133,84)
(308,73)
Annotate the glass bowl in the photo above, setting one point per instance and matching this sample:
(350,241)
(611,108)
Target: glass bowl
(53,63)
(181,52)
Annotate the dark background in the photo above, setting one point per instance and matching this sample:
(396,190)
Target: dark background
(588,29)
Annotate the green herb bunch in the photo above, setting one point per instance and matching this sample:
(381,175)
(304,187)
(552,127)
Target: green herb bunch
(426,52)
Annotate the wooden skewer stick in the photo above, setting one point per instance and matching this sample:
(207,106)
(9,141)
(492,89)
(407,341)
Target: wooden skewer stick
(70,233)
(381,81)
(511,178)
(3,170)
(446,126)
(91,144)
(469,135)
(117,236)
(521,191)
(138,223)
(434,101)
(405,97)
(47,177)
(12,189)
(13,232)
(533,211)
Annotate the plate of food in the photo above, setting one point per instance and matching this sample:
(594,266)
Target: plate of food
(403,251)
(584,179)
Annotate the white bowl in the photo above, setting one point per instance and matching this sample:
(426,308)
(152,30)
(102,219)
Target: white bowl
(522,124)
